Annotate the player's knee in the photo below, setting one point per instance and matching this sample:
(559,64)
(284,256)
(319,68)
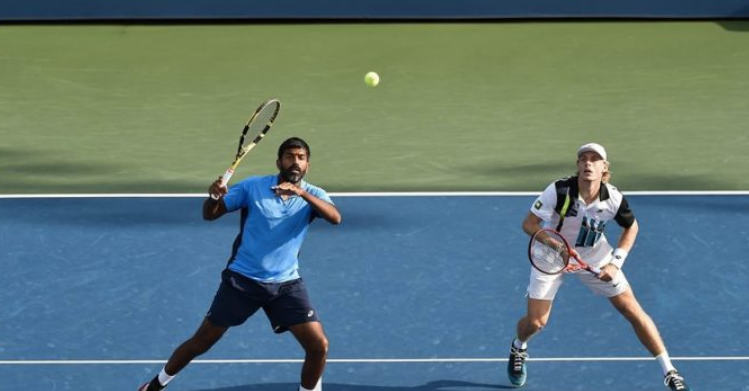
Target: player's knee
(318,348)
(637,317)
(322,346)
(537,324)
(629,313)
(193,347)
(632,311)
(203,341)
(199,346)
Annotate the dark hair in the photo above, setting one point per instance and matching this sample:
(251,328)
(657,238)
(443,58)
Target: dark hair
(292,143)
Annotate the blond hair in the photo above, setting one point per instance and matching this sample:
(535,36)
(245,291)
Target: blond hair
(606,174)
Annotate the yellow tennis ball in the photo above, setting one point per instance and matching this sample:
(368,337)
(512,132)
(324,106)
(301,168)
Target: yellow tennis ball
(372,79)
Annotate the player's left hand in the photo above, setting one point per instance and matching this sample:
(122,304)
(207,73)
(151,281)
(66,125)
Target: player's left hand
(287,189)
(608,272)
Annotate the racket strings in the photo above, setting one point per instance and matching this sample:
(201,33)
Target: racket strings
(241,143)
(262,121)
(257,126)
(548,256)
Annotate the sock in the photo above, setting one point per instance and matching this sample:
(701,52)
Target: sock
(518,344)
(154,384)
(164,379)
(665,363)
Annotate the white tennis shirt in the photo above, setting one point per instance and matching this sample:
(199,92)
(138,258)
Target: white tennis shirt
(584,224)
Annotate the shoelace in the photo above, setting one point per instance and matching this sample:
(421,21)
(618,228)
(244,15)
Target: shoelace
(676,379)
(519,358)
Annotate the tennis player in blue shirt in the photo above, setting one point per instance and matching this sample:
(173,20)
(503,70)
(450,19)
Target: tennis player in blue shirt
(276,211)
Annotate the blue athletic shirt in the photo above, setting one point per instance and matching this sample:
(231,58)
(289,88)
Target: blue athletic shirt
(272,230)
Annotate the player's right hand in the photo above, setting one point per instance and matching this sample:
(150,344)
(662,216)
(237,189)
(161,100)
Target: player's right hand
(608,272)
(217,189)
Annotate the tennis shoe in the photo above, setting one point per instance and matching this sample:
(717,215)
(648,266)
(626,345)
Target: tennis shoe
(675,382)
(516,366)
(147,386)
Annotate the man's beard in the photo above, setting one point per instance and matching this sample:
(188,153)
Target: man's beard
(294,177)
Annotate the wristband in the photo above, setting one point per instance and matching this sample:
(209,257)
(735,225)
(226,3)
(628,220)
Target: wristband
(618,257)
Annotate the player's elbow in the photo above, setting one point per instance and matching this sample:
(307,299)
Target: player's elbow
(332,215)
(531,224)
(210,215)
(335,219)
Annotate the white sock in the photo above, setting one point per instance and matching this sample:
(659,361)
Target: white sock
(518,344)
(318,387)
(665,363)
(164,379)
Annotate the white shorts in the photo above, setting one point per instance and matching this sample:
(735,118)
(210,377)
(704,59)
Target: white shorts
(545,287)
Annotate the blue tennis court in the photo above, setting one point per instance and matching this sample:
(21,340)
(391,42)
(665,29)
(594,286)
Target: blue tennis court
(416,293)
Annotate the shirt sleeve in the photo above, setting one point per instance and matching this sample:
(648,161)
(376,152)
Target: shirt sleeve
(544,205)
(237,196)
(624,216)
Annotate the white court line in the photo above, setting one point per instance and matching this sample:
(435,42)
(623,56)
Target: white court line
(388,194)
(363,360)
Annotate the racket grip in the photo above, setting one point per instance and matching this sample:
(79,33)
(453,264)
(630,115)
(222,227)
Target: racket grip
(227,176)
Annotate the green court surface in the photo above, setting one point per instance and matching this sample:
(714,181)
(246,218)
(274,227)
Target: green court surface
(461,106)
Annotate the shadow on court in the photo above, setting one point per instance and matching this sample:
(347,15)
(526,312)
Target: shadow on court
(737,25)
(439,385)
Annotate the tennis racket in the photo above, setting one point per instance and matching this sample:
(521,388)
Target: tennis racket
(550,253)
(256,128)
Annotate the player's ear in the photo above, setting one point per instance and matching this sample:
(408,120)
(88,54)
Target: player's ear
(278,165)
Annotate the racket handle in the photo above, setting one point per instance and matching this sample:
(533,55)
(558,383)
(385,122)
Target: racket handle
(227,176)
(579,259)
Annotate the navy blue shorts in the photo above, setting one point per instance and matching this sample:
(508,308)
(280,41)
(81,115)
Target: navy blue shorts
(238,297)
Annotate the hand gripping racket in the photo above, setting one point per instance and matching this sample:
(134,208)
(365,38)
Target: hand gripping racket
(550,253)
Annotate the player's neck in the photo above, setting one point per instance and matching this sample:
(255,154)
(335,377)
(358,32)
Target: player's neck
(589,190)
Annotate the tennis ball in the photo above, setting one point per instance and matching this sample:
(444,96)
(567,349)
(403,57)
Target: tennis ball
(372,79)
